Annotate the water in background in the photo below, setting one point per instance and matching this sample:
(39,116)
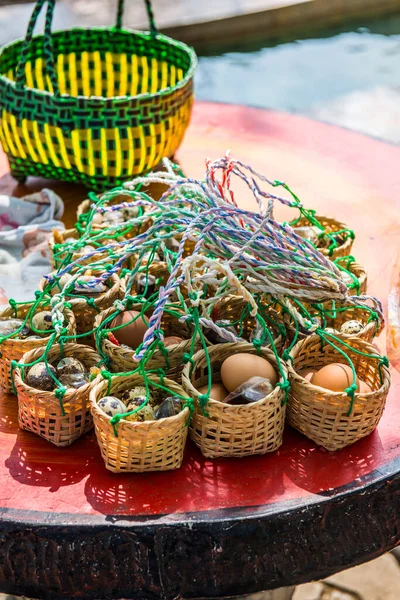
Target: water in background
(347,77)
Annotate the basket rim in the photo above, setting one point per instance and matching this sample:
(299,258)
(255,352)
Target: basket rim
(103,99)
(245,347)
(100,382)
(50,395)
(77,301)
(67,322)
(337,395)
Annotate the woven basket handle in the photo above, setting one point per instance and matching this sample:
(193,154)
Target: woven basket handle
(150,14)
(20,78)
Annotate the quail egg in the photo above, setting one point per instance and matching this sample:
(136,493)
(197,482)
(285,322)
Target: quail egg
(39,377)
(111,406)
(42,322)
(351,327)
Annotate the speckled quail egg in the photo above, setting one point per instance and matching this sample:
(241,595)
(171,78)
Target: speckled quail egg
(111,406)
(138,392)
(74,380)
(70,365)
(170,407)
(10,326)
(39,377)
(144,414)
(351,327)
(41,321)
(60,284)
(135,398)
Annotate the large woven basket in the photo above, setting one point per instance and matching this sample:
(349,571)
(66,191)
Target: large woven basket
(94,105)
(42,413)
(233,309)
(138,447)
(243,430)
(13,348)
(171,360)
(86,310)
(323,415)
(331,225)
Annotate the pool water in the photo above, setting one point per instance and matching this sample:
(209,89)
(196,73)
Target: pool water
(350,77)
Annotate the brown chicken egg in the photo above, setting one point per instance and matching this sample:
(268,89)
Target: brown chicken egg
(306,374)
(130,334)
(218,391)
(335,377)
(172,340)
(365,388)
(238,368)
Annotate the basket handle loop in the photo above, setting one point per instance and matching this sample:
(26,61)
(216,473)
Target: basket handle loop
(20,80)
(149,10)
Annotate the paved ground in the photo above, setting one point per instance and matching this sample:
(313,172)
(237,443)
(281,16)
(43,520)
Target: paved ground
(200,23)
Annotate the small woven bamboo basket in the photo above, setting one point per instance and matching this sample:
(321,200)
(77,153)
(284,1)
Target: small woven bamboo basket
(95,105)
(359,288)
(13,348)
(61,258)
(83,213)
(159,270)
(138,447)
(171,361)
(231,308)
(339,313)
(323,415)
(42,412)
(85,311)
(371,327)
(255,428)
(331,226)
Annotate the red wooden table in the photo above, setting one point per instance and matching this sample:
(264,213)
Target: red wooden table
(213,528)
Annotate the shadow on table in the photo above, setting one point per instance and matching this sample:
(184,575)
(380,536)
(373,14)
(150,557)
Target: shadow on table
(33,461)
(8,413)
(199,485)
(322,472)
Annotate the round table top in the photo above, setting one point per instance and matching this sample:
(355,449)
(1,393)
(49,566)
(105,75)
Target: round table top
(227,526)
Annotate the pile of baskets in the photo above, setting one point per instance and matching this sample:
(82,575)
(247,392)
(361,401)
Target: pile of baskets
(331,419)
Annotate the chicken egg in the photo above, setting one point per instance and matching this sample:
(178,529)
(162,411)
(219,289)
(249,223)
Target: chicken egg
(335,377)
(238,368)
(132,333)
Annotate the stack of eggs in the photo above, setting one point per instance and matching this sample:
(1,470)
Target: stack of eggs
(146,408)
(336,377)
(69,371)
(39,326)
(245,378)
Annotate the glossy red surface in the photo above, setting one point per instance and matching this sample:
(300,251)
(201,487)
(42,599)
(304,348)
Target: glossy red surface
(342,174)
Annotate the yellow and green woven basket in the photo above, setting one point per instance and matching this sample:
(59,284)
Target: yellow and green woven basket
(97,105)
